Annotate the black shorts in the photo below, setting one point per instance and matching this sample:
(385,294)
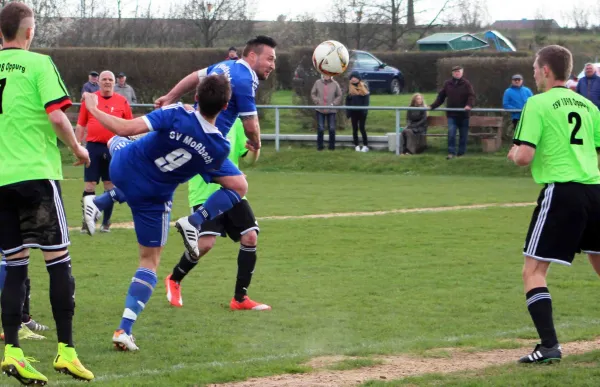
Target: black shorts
(566,221)
(99,162)
(32,215)
(234,223)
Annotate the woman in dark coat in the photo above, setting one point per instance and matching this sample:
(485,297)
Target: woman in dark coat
(358,95)
(413,136)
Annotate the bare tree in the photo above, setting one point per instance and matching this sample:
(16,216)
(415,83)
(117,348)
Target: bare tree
(394,15)
(410,14)
(347,22)
(119,18)
(471,14)
(48,21)
(214,16)
(306,31)
(578,17)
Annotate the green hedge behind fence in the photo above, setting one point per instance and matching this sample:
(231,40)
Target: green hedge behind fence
(490,77)
(152,72)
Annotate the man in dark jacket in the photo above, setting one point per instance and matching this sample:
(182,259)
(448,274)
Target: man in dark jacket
(589,86)
(459,94)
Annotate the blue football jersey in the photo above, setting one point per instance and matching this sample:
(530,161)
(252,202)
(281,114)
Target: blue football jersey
(181,144)
(244,82)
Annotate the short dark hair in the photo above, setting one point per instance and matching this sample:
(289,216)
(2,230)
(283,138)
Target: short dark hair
(256,45)
(10,19)
(558,59)
(213,93)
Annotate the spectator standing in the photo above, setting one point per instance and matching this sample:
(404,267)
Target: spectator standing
(589,85)
(232,54)
(92,85)
(326,92)
(515,97)
(97,137)
(358,95)
(460,94)
(413,136)
(124,89)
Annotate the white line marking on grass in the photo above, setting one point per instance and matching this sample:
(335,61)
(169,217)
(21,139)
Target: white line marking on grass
(129,225)
(320,352)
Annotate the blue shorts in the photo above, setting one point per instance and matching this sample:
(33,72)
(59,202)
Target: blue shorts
(151,214)
(99,163)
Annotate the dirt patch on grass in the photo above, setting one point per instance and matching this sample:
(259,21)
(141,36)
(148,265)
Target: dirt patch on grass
(397,367)
(129,225)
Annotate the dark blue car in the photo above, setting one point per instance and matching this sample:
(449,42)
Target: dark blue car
(379,76)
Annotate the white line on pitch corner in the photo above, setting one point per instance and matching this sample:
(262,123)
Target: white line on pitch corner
(129,225)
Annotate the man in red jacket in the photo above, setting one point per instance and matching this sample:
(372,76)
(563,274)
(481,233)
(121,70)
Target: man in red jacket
(459,94)
(97,137)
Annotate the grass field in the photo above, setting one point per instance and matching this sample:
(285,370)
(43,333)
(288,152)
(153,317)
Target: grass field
(395,283)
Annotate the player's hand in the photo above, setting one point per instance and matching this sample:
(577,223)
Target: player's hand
(252,146)
(163,101)
(467,108)
(83,157)
(512,152)
(91,100)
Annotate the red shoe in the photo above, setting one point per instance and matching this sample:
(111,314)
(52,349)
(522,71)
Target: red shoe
(173,292)
(247,304)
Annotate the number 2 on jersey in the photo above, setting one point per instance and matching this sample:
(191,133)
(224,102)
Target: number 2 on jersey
(2,85)
(173,160)
(575,116)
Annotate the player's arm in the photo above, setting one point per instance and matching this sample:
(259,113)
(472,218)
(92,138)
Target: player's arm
(252,131)
(117,125)
(527,136)
(241,149)
(82,121)
(184,86)
(80,133)
(53,94)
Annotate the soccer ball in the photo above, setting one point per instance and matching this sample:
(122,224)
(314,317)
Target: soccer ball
(331,58)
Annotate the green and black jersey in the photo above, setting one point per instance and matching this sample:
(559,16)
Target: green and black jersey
(564,129)
(30,89)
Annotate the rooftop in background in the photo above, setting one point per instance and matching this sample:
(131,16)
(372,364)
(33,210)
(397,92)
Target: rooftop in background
(524,24)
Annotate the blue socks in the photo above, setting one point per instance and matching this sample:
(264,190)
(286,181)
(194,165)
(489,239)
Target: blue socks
(140,290)
(107,213)
(216,204)
(106,200)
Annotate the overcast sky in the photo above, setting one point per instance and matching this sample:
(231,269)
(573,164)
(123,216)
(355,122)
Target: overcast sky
(498,9)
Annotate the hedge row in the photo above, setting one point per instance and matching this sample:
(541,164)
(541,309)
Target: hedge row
(152,72)
(490,77)
(419,68)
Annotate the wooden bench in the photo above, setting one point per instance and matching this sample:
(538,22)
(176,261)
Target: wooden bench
(488,129)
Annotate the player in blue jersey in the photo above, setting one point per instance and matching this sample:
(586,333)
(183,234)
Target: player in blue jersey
(258,61)
(182,143)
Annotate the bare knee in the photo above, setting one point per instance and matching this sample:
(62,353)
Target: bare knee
(250,238)
(206,243)
(235,183)
(241,186)
(534,273)
(150,257)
